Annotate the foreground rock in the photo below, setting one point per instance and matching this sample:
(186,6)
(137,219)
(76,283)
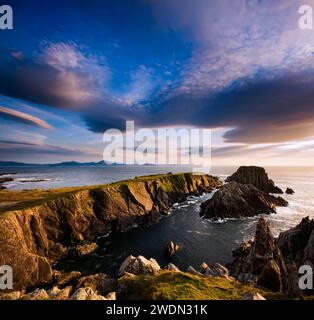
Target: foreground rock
(235,200)
(256,176)
(274,263)
(138,265)
(261,261)
(32,239)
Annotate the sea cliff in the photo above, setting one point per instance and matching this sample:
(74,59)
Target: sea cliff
(38,233)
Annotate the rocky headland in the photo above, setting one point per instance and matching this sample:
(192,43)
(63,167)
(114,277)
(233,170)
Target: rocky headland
(41,232)
(245,194)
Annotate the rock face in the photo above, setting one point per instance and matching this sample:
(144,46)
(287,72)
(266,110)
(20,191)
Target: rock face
(274,263)
(235,200)
(297,244)
(261,260)
(256,176)
(33,238)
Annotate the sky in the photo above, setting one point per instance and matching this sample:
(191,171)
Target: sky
(69,70)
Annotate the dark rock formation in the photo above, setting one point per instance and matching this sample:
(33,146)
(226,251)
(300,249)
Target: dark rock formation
(235,200)
(261,260)
(33,238)
(171,249)
(297,244)
(256,176)
(274,263)
(289,191)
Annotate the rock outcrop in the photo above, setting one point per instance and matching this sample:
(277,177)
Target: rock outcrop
(235,200)
(138,265)
(256,176)
(261,261)
(289,191)
(171,249)
(274,263)
(32,239)
(297,244)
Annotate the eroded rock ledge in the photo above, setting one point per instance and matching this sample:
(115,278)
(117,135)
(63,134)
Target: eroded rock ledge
(32,239)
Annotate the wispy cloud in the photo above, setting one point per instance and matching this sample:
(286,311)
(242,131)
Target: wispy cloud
(23,117)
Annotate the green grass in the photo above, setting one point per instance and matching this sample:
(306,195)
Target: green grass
(167,285)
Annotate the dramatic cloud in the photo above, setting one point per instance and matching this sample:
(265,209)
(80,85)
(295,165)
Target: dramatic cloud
(23,117)
(247,69)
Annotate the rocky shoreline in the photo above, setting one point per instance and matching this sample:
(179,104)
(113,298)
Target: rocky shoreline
(34,239)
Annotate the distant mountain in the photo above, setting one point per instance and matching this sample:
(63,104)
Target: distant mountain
(62,164)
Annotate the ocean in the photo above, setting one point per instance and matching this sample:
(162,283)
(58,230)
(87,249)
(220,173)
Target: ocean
(201,240)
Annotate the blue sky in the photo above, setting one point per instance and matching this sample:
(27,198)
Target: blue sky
(69,70)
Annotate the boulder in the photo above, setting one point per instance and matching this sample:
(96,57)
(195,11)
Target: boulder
(138,265)
(86,294)
(171,249)
(171,267)
(111,296)
(193,271)
(289,191)
(99,282)
(256,176)
(60,294)
(216,270)
(253,296)
(39,294)
(83,250)
(235,200)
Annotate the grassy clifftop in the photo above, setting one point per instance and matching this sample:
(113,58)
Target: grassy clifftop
(169,285)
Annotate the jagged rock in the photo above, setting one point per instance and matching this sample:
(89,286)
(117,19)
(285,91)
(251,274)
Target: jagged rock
(203,267)
(289,191)
(235,200)
(138,265)
(111,296)
(271,276)
(217,270)
(171,249)
(86,294)
(60,294)
(256,176)
(262,259)
(171,267)
(99,282)
(39,294)
(66,278)
(297,244)
(253,296)
(83,250)
(14,295)
(193,271)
